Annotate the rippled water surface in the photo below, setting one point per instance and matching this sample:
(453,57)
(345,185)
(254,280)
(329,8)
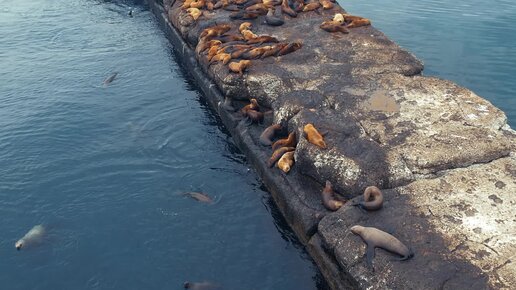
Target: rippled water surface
(102,167)
(471,42)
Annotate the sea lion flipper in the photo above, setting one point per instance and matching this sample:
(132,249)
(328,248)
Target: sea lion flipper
(370,256)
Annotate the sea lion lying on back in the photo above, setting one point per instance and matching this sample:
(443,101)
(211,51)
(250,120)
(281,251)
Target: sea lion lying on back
(374,238)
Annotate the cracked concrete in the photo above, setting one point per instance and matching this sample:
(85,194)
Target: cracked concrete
(443,155)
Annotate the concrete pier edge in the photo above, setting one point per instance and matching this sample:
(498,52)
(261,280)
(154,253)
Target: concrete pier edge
(457,216)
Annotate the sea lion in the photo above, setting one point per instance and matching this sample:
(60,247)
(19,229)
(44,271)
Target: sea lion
(373,199)
(204,45)
(186,4)
(313,136)
(272,19)
(326,4)
(243,15)
(375,238)
(215,31)
(274,50)
(32,237)
(194,12)
(231,8)
(338,18)
(239,67)
(287,10)
(224,57)
(268,134)
(259,7)
(290,141)
(209,5)
(286,161)
(356,21)
(240,52)
(276,155)
(197,4)
(199,196)
(328,197)
(334,26)
(254,116)
(110,79)
(262,39)
(311,7)
(253,105)
(248,34)
(201,286)
(297,5)
(291,47)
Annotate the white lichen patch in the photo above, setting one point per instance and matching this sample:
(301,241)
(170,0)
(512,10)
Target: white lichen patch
(348,170)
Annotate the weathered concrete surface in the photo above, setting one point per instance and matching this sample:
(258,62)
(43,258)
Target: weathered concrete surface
(387,126)
(461,227)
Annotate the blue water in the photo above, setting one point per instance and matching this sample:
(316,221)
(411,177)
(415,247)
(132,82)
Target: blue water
(471,42)
(102,167)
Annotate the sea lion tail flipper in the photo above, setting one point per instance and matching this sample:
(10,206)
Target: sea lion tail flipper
(370,256)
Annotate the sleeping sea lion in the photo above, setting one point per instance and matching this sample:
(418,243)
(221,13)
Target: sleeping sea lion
(276,155)
(373,199)
(286,161)
(328,198)
(374,238)
(32,237)
(313,136)
(334,26)
(268,134)
(290,141)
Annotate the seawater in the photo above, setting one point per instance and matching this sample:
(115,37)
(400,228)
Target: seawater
(470,42)
(103,168)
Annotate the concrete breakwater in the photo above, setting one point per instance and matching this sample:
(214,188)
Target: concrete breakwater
(444,157)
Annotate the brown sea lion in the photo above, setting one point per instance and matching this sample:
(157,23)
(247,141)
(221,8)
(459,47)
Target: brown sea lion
(239,53)
(254,116)
(276,155)
(373,199)
(313,136)
(248,34)
(239,67)
(375,238)
(291,47)
(268,134)
(262,39)
(197,4)
(223,57)
(326,4)
(274,51)
(334,26)
(229,38)
(290,141)
(204,45)
(215,31)
(194,12)
(186,4)
(259,7)
(199,196)
(328,198)
(210,5)
(245,26)
(356,21)
(253,105)
(287,10)
(212,52)
(286,161)
(311,7)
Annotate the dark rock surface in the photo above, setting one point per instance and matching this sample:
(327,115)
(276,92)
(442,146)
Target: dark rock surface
(444,154)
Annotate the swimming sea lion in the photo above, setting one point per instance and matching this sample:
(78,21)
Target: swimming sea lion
(110,79)
(328,198)
(239,67)
(313,136)
(286,161)
(276,155)
(201,286)
(290,141)
(32,237)
(374,238)
(199,196)
(268,134)
(334,26)
(373,199)
(273,20)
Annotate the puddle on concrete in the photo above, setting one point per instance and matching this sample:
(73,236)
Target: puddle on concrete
(380,100)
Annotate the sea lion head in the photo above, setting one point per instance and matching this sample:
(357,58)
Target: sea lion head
(356,229)
(186,285)
(19,244)
(328,184)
